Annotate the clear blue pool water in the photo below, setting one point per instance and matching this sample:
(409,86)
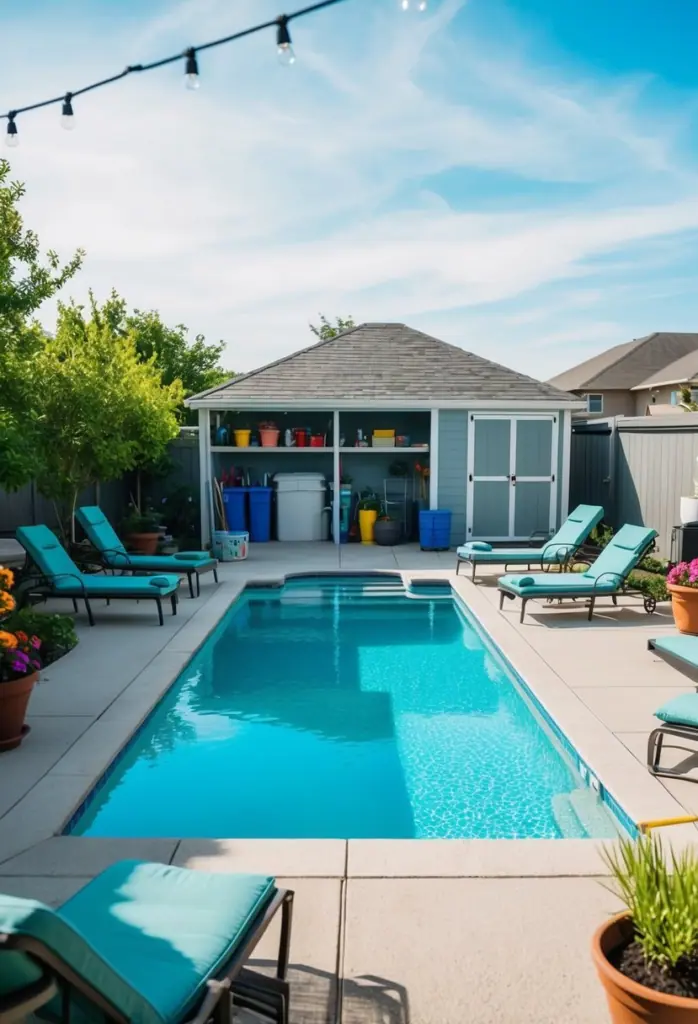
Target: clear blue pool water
(344,708)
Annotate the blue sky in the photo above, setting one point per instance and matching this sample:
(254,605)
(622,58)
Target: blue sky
(518,177)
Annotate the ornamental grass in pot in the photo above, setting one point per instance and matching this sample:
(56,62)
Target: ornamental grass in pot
(682,584)
(647,956)
(19,669)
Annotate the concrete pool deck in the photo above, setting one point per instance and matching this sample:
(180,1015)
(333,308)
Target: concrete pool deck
(396,931)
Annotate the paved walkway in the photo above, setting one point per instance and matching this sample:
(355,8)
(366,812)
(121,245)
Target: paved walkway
(446,931)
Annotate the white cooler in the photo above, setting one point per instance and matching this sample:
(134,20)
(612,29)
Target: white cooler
(300,499)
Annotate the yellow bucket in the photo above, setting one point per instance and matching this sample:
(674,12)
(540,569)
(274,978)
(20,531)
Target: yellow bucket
(242,438)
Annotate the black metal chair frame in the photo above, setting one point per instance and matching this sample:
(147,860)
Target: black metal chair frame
(191,573)
(622,589)
(44,585)
(232,987)
(519,566)
(655,740)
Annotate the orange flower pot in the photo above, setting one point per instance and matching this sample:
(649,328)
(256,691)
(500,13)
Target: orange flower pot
(629,1002)
(684,604)
(143,543)
(14,698)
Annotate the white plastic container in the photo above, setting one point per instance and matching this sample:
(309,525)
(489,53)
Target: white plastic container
(300,499)
(688,510)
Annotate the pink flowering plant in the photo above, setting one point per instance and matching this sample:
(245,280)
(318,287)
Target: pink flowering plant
(685,574)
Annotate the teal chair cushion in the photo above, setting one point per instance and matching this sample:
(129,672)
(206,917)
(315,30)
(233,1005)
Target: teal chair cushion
(578,525)
(679,645)
(99,530)
(147,936)
(193,556)
(46,551)
(169,563)
(622,553)
(555,584)
(681,710)
(573,531)
(476,545)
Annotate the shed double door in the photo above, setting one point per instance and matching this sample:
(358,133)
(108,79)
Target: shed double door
(512,489)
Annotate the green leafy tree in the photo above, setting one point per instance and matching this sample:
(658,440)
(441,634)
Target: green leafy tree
(326,329)
(26,281)
(103,411)
(195,363)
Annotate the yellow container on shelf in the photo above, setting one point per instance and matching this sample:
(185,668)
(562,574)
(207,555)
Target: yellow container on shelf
(242,438)
(367,517)
(384,433)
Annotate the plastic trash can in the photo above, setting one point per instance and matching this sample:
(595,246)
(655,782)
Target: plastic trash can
(235,508)
(300,501)
(260,514)
(435,529)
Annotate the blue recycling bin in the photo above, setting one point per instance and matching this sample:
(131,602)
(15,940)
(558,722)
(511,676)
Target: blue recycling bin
(435,529)
(235,504)
(260,513)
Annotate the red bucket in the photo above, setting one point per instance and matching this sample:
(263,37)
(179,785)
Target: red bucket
(301,438)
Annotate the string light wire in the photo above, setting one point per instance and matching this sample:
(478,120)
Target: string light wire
(189,56)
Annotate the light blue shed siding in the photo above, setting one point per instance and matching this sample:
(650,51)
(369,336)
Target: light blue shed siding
(453,457)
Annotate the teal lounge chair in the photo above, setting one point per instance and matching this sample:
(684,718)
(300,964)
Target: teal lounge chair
(144,944)
(60,576)
(606,577)
(556,551)
(102,536)
(679,718)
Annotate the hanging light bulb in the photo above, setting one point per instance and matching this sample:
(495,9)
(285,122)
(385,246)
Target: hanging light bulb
(283,42)
(405,5)
(191,71)
(422,5)
(12,138)
(67,119)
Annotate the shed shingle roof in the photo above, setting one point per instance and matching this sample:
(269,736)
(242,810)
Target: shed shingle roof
(382,361)
(626,366)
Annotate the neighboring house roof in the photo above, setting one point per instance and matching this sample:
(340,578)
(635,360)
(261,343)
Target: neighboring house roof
(626,366)
(381,362)
(681,371)
(664,410)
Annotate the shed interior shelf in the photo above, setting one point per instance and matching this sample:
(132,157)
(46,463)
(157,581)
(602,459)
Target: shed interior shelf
(308,450)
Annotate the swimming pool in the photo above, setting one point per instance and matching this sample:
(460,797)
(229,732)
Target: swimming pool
(345,708)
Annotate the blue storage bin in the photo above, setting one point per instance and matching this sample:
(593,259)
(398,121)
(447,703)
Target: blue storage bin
(435,529)
(235,508)
(260,513)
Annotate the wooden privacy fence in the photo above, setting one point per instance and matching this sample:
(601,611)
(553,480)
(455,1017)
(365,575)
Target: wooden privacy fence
(638,468)
(27,507)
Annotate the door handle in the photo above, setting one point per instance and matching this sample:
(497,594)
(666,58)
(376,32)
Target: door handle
(513,479)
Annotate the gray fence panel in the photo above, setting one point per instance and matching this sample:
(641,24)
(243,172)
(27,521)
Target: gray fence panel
(590,470)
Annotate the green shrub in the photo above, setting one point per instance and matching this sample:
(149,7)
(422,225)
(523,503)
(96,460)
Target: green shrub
(650,585)
(656,565)
(661,895)
(56,632)
(601,535)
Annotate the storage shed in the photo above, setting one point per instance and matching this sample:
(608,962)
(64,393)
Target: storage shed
(391,410)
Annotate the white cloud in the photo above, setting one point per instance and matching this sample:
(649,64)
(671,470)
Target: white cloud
(272,193)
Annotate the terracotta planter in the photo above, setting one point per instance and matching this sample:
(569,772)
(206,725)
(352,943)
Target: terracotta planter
(269,437)
(14,698)
(628,1002)
(684,604)
(143,543)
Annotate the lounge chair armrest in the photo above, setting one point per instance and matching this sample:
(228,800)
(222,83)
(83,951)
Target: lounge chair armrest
(616,576)
(120,553)
(539,533)
(52,577)
(560,549)
(217,990)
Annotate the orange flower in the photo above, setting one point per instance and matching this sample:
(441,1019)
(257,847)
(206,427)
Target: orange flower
(21,636)
(7,640)
(7,578)
(7,602)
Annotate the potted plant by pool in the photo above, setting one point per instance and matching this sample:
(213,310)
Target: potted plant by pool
(368,509)
(647,956)
(19,669)
(682,584)
(387,531)
(141,530)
